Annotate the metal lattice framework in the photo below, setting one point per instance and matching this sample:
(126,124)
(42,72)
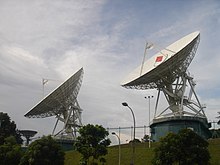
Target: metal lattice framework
(63,104)
(179,97)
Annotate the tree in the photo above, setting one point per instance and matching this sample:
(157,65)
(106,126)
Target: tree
(145,138)
(186,147)
(45,151)
(92,142)
(215,133)
(134,140)
(102,160)
(10,152)
(8,128)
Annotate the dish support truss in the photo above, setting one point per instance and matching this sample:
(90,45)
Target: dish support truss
(70,115)
(181,102)
(71,118)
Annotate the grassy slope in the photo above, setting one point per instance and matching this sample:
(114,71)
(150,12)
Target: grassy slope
(143,155)
(214,149)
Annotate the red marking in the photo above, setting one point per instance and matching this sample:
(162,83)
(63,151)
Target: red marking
(159,58)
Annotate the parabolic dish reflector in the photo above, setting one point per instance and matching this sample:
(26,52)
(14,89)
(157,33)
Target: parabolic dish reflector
(56,102)
(28,133)
(165,65)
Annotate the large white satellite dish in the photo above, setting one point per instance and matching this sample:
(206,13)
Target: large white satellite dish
(63,104)
(167,72)
(168,63)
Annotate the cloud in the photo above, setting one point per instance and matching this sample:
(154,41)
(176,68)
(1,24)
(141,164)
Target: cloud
(42,25)
(18,64)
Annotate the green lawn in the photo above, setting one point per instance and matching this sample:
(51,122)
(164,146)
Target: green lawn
(214,149)
(143,154)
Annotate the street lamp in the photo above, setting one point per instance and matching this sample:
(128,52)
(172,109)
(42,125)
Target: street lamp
(149,97)
(133,143)
(119,148)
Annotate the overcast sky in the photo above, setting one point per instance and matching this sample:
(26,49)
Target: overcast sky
(54,38)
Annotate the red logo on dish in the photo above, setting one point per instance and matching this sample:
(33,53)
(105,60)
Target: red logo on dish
(159,58)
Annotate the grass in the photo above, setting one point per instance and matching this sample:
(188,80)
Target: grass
(214,149)
(143,154)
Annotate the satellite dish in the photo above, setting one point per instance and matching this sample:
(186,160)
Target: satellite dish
(167,72)
(63,104)
(28,134)
(166,64)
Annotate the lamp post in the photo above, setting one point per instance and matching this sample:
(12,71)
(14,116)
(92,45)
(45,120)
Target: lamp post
(149,97)
(119,148)
(133,142)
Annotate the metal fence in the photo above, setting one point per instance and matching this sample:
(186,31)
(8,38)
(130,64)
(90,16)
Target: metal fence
(126,133)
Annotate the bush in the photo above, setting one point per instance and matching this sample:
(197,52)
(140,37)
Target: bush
(10,152)
(186,147)
(92,142)
(45,151)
